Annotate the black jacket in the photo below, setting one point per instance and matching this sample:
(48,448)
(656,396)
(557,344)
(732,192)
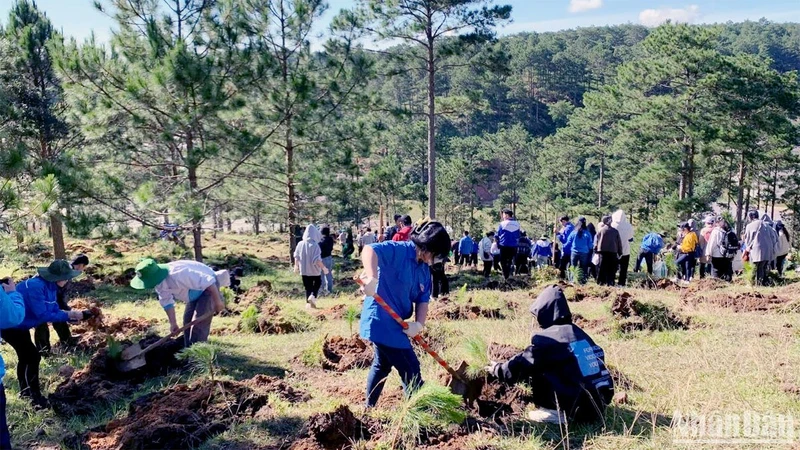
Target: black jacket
(326,247)
(564,366)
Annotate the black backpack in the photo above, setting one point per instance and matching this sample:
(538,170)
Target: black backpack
(729,246)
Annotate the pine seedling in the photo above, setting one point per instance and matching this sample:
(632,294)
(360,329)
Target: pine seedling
(432,408)
(201,356)
(478,356)
(351,316)
(249,320)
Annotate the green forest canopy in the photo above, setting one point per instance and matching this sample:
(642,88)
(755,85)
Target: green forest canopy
(212,112)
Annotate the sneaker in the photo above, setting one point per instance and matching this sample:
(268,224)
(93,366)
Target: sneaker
(311,302)
(543,415)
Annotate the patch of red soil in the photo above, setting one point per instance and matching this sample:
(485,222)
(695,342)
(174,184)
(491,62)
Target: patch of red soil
(342,354)
(591,293)
(589,324)
(456,441)
(337,429)
(741,302)
(498,400)
(705,285)
(335,312)
(121,279)
(183,416)
(633,315)
(452,311)
(257,294)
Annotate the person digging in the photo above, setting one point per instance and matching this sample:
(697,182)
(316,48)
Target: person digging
(399,273)
(39,295)
(41,334)
(189,281)
(564,366)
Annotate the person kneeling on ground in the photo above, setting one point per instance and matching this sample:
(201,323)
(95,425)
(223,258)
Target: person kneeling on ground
(399,273)
(189,281)
(563,364)
(39,294)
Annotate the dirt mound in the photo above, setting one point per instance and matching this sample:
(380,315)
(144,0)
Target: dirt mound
(741,302)
(75,247)
(183,416)
(633,315)
(257,294)
(705,285)
(121,279)
(501,352)
(337,429)
(452,311)
(342,354)
(335,312)
(100,383)
(591,293)
(512,284)
(589,324)
(95,332)
(497,400)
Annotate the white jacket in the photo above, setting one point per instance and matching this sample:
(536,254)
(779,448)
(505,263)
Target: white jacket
(784,246)
(717,236)
(625,229)
(485,248)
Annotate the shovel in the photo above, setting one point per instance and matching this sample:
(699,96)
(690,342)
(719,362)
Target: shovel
(458,382)
(133,358)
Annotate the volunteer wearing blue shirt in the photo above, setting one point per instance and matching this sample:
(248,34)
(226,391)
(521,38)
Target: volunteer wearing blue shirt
(12,311)
(580,241)
(507,239)
(465,249)
(566,250)
(399,272)
(652,243)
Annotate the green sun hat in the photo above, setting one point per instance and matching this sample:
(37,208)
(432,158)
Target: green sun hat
(58,270)
(149,274)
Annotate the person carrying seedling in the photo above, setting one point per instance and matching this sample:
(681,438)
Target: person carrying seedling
(39,294)
(399,273)
(189,281)
(41,334)
(564,366)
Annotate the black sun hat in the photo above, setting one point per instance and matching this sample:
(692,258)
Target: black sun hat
(431,236)
(58,270)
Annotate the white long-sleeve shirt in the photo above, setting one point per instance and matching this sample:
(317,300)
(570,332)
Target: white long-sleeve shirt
(185,282)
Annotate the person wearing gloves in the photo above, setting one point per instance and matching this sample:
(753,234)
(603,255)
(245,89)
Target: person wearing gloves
(566,252)
(507,240)
(399,273)
(465,249)
(652,243)
(39,295)
(784,245)
(608,245)
(485,252)
(563,364)
(12,312)
(542,252)
(761,243)
(580,241)
(625,229)
(188,281)
(41,334)
(308,263)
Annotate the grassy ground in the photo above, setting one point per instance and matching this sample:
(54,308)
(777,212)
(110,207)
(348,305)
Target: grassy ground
(726,362)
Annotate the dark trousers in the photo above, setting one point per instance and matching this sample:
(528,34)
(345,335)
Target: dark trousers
(648,258)
(762,269)
(441,285)
(28,359)
(496,263)
(609,261)
(522,264)
(722,268)
(312,285)
(198,332)
(487,268)
(779,261)
(624,262)
(705,268)
(41,335)
(507,259)
(562,266)
(687,262)
(5,435)
(581,260)
(463,260)
(402,359)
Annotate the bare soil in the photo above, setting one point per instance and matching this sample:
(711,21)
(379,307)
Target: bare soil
(501,352)
(337,429)
(740,302)
(633,315)
(453,311)
(342,354)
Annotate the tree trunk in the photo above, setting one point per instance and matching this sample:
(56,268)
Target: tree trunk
(601,184)
(197,222)
(431,127)
(740,195)
(291,194)
(215,220)
(57,231)
(228,224)
(257,223)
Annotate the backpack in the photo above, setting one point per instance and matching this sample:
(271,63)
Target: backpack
(729,246)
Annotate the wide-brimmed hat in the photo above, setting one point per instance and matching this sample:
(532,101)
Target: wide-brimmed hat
(149,274)
(58,270)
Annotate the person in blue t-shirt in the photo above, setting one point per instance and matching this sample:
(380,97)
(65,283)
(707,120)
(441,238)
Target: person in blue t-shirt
(465,249)
(652,243)
(566,250)
(399,272)
(580,242)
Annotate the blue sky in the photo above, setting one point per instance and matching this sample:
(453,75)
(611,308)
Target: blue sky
(77,18)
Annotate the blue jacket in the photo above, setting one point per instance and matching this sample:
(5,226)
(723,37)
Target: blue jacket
(652,243)
(579,244)
(41,305)
(402,282)
(508,233)
(474,246)
(465,245)
(12,311)
(542,248)
(564,236)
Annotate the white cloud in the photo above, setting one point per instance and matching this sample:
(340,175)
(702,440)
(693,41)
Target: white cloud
(655,17)
(584,5)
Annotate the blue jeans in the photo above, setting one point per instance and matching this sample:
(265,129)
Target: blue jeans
(687,262)
(402,359)
(327,280)
(581,260)
(5,436)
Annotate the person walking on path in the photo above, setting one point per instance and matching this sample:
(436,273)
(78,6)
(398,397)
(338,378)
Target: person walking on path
(625,229)
(485,252)
(580,241)
(761,244)
(399,273)
(326,253)
(608,245)
(308,263)
(465,249)
(507,239)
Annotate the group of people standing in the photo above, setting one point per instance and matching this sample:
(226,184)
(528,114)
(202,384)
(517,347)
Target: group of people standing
(506,250)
